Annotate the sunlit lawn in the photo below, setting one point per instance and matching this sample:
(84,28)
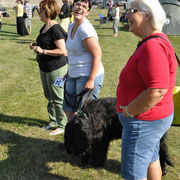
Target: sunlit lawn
(27,151)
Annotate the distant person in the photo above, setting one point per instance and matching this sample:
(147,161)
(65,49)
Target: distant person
(1,20)
(21,28)
(85,71)
(64,15)
(110,9)
(116,17)
(28,9)
(52,58)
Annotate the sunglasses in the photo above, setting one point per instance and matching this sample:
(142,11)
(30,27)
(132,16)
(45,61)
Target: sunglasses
(131,11)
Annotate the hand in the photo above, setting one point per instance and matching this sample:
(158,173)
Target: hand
(124,112)
(89,85)
(32,45)
(65,76)
(38,49)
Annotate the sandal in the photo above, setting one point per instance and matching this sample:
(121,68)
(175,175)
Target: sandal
(56,132)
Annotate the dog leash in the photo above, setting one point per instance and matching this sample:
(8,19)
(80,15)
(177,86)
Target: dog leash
(80,95)
(155,36)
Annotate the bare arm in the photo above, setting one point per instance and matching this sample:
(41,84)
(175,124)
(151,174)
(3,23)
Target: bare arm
(60,50)
(92,46)
(145,101)
(115,13)
(61,13)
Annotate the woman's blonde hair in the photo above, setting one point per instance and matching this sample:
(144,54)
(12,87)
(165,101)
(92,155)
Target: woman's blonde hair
(152,7)
(51,8)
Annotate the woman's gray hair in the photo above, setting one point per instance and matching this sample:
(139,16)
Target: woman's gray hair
(152,7)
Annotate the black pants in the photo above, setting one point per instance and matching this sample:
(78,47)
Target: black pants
(21,28)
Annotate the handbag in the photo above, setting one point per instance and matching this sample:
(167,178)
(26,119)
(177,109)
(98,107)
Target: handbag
(155,36)
(176,98)
(25,14)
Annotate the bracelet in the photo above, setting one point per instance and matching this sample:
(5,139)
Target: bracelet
(44,52)
(129,114)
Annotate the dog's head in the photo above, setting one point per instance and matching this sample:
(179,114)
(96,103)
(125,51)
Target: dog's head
(75,138)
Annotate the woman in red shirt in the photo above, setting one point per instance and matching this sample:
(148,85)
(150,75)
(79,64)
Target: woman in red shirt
(145,92)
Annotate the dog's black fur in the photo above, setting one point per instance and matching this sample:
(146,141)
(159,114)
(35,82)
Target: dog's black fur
(91,130)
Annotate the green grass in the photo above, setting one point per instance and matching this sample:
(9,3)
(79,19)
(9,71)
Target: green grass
(26,151)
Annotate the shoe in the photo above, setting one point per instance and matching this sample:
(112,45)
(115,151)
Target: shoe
(56,132)
(115,35)
(48,127)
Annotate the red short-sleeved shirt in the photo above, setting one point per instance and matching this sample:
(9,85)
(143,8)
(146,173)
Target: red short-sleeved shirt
(153,65)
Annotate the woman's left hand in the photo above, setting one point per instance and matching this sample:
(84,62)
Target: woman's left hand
(89,84)
(38,49)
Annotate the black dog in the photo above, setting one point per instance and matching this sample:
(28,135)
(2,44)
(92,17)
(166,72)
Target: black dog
(91,130)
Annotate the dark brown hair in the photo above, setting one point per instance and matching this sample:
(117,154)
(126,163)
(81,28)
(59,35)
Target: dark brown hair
(86,1)
(51,8)
(20,1)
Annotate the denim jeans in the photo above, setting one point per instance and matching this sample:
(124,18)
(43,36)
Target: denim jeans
(140,144)
(74,86)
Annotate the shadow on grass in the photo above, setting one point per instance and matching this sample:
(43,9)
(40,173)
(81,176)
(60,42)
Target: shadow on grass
(7,35)
(8,32)
(24,42)
(123,29)
(32,59)
(110,165)
(27,158)
(8,24)
(14,37)
(33,158)
(101,27)
(104,35)
(22,120)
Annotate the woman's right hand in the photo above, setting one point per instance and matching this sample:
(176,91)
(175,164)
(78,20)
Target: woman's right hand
(32,45)
(65,76)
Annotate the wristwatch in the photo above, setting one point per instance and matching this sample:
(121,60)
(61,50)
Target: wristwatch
(44,51)
(129,114)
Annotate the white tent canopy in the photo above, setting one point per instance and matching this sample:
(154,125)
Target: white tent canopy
(172,9)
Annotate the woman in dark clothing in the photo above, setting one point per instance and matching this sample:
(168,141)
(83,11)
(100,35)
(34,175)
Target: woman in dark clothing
(52,59)
(21,28)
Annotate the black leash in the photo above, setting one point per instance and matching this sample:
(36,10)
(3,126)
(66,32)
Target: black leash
(155,36)
(80,95)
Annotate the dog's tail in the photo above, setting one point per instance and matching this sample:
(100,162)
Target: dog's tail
(164,155)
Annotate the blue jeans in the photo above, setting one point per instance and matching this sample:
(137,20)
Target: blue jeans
(140,144)
(75,86)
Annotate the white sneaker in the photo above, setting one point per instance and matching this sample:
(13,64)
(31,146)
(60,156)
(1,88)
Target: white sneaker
(56,132)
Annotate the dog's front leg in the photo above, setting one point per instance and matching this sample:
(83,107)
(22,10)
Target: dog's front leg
(97,154)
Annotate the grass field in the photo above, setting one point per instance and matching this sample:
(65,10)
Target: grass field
(27,152)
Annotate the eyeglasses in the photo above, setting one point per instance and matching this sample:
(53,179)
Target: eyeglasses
(81,5)
(131,11)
